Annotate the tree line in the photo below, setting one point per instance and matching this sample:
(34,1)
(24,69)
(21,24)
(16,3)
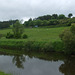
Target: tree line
(49,20)
(6,24)
(54,16)
(46,20)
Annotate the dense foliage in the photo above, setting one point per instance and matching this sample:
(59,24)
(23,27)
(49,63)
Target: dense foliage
(18,29)
(68,38)
(24,36)
(9,35)
(50,20)
(6,24)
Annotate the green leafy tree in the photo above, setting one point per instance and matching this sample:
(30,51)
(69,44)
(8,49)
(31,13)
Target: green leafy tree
(26,24)
(38,22)
(30,19)
(45,17)
(45,23)
(53,22)
(69,15)
(62,16)
(54,16)
(18,29)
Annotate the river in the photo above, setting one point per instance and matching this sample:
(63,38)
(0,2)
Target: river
(37,64)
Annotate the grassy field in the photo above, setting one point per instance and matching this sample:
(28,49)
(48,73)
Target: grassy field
(38,34)
(39,39)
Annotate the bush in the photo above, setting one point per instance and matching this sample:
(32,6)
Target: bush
(58,46)
(48,47)
(25,36)
(72,29)
(9,35)
(68,38)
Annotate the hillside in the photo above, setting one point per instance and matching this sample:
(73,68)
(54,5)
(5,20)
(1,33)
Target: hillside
(38,34)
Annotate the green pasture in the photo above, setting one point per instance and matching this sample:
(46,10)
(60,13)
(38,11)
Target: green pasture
(37,34)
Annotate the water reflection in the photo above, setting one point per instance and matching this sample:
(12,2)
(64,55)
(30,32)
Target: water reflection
(18,61)
(68,68)
(37,64)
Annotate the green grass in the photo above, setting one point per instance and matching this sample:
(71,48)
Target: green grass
(38,34)
(2,73)
(39,39)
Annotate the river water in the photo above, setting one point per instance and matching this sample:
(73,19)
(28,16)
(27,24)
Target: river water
(37,64)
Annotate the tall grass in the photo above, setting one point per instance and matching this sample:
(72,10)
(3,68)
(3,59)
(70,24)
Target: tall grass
(39,46)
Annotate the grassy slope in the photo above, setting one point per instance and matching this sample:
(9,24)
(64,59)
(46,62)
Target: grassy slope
(39,34)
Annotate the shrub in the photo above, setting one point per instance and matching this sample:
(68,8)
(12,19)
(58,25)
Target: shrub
(48,47)
(68,38)
(58,46)
(18,30)
(28,45)
(9,35)
(25,36)
(72,29)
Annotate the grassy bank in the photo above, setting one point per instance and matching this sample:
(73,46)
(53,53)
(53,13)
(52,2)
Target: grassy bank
(39,46)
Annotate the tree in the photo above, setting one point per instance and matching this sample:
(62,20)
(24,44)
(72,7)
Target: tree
(53,22)
(6,24)
(61,16)
(54,16)
(45,17)
(38,22)
(48,17)
(18,29)
(45,23)
(26,24)
(30,19)
(69,15)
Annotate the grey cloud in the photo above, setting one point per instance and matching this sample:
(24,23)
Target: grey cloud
(18,9)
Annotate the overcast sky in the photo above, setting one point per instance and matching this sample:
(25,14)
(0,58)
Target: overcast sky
(25,9)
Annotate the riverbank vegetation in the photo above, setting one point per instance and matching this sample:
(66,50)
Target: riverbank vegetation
(68,38)
(39,39)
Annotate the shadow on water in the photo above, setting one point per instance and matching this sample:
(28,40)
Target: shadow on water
(66,68)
